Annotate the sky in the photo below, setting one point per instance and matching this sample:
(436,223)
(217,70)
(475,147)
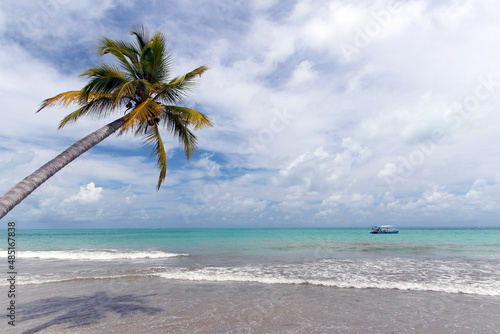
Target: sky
(326,114)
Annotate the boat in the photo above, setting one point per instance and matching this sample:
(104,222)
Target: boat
(383,229)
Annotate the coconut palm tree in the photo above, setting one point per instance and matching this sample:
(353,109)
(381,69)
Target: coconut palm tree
(140,86)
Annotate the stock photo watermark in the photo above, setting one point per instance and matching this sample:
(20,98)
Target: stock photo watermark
(11,273)
(380,20)
(405,167)
(47,11)
(278,122)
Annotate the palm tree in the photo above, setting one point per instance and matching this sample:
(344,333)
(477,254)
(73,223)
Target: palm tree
(140,85)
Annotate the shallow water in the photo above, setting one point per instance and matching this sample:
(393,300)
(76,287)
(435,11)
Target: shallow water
(452,260)
(257,280)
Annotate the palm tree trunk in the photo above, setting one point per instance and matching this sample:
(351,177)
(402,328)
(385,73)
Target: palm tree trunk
(21,190)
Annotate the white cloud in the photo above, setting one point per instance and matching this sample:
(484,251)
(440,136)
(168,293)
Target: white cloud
(354,123)
(354,200)
(302,75)
(319,170)
(433,199)
(209,167)
(483,196)
(87,194)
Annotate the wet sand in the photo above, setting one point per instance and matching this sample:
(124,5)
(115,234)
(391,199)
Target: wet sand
(155,305)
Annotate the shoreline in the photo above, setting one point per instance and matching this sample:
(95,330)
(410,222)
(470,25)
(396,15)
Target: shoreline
(156,305)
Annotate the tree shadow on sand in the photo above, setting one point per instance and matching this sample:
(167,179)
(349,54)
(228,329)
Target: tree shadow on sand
(85,310)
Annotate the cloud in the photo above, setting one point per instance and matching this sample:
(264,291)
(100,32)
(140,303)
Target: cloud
(302,74)
(313,171)
(302,126)
(87,194)
(354,200)
(209,167)
(483,196)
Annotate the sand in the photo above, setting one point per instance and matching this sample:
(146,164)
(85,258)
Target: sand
(156,305)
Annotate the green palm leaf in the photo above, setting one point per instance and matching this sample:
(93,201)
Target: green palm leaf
(178,126)
(98,108)
(179,87)
(153,138)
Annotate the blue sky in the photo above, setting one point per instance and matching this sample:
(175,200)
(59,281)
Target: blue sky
(326,113)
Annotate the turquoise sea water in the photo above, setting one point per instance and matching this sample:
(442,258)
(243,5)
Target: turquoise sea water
(453,260)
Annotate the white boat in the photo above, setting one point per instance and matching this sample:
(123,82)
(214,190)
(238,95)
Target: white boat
(383,229)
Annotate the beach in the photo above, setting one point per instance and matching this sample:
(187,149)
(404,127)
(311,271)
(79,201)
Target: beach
(248,167)
(338,280)
(153,305)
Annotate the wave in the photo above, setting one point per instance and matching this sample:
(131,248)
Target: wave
(40,279)
(359,284)
(246,277)
(101,254)
(479,277)
(415,274)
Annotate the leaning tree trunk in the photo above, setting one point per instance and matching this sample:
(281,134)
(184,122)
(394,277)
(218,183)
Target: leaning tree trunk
(21,190)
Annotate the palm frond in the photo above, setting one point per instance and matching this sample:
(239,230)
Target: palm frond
(192,117)
(127,55)
(153,138)
(99,107)
(190,75)
(129,89)
(179,87)
(62,100)
(104,79)
(131,117)
(142,113)
(155,59)
(161,58)
(176,124)
(141,35)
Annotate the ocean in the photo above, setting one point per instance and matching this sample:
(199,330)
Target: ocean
(259,272)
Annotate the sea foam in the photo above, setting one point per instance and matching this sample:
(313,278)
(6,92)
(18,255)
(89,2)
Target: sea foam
(101,254)
(331,278)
